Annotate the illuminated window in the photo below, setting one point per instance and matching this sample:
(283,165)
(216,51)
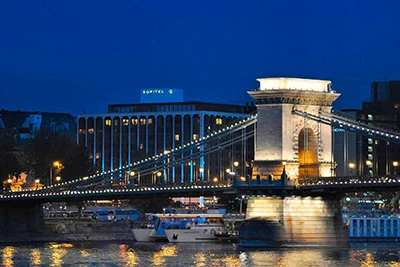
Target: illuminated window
(108,122)
(82,131)
(150,121)
(134,121)
(142,121)
(370,149)
(125,121)
(369,141)
(195,136)
(218,121)
(376,142)
(370,156)
(141,146)
(370,117)
(90,130)
(396,106)
(177,137)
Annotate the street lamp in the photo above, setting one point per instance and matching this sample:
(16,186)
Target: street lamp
(241,204)
(37,181)
(155,175)
(369,164)
(215,179)
(395,164)
(127,174)
(9,181)
(58,178)
(236,163)
(351,166)
(57,166)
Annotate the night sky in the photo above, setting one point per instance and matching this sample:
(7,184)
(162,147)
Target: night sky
(79,56)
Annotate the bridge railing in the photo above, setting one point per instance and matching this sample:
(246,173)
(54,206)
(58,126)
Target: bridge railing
(320,181)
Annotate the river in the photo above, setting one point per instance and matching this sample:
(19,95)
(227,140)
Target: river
(164,254)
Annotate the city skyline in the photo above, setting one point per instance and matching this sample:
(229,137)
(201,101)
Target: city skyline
(61,58)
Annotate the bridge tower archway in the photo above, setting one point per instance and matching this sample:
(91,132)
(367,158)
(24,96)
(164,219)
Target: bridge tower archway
(308,154)
(281,136)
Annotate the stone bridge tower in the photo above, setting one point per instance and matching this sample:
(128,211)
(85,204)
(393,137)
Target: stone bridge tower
(305,146)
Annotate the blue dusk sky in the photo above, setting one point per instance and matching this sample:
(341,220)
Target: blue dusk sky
(80,56)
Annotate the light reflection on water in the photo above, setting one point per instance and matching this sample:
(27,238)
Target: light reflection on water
(200,255)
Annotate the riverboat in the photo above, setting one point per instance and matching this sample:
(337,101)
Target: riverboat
(200,230)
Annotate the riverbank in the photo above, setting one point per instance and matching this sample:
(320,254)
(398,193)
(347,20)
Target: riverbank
(68,230)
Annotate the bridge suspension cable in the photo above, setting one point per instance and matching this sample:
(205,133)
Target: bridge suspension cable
(351,125)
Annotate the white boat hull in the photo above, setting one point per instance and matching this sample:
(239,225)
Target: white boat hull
(144,235)
(196,234)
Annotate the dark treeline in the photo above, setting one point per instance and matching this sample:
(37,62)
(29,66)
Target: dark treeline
(36,157)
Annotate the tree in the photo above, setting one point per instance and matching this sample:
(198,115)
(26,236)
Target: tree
(153,205)
(9,165)
(45,148)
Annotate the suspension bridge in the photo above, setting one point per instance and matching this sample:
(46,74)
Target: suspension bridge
(292,132)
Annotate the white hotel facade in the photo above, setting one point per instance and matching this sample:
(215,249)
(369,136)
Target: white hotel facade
(129,132)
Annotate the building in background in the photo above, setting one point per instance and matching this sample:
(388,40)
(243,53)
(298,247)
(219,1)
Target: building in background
(27,123)
(364,155)
(131,132)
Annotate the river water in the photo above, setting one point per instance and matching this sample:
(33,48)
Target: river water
(201,255)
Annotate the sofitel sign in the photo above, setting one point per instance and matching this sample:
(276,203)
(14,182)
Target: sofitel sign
(156,91)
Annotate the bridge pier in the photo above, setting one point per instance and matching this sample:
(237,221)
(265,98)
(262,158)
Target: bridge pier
(21,218)
(293,221)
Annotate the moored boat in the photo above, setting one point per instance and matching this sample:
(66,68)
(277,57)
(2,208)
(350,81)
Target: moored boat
(201,230)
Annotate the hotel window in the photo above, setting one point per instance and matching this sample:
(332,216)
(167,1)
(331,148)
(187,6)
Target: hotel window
(108,122)
(141,146)
(370,149)
(370,156)
(125,121)
(218,121)
(134,121)
(369,141)
(195,136)
(142,121)
(177,137)
(90,130)
(370,117)
(150,121)
(82,131)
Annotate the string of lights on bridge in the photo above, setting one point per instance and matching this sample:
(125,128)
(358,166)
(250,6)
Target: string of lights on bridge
(116,191)
(135,164)
(317,182)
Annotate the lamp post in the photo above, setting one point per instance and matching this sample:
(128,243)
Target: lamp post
(241,204)
(369,164)
(37,181)
(57,166)
(395,164)
(9,182)
(351,166)
(155,175)
(127,175)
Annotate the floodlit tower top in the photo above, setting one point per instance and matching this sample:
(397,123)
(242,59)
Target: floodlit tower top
(279,83)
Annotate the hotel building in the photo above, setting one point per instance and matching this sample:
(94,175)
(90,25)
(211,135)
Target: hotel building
(131,132)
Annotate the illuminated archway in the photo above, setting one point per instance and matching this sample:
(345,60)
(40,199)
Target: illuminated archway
(308,154)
